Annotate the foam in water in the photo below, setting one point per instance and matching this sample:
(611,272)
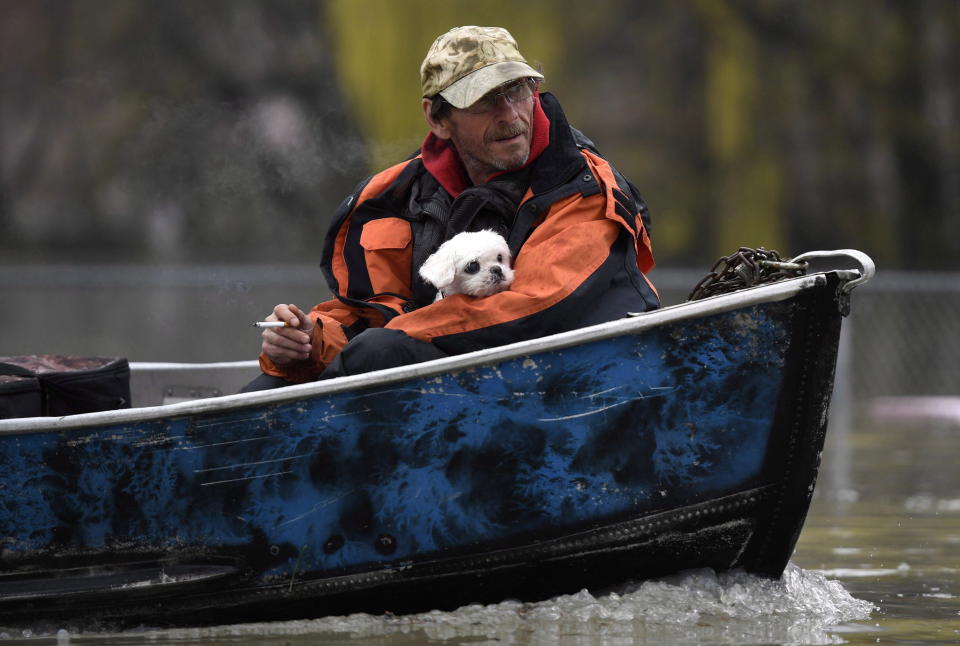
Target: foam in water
(689,608)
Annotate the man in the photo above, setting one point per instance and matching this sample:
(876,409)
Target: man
(501,156)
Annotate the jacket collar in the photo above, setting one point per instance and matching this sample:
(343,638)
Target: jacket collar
(442,161)
(561,160)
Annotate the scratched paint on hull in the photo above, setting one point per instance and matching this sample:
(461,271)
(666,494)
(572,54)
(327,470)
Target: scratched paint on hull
(535,445)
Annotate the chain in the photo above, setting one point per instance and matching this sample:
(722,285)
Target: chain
(746,268)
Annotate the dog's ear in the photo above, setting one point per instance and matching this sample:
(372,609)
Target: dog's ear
(440,269)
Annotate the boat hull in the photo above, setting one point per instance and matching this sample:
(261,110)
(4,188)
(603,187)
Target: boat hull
(523,473)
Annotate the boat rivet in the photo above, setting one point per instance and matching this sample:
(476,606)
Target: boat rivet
(332,544)
(385,544)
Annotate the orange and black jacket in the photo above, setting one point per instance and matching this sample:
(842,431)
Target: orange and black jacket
(577,229)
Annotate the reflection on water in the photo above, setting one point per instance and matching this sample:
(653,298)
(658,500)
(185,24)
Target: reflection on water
(893,536)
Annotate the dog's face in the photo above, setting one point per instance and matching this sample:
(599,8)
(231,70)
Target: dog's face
(476,263)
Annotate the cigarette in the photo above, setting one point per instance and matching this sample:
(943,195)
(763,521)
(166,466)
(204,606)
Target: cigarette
(271,324)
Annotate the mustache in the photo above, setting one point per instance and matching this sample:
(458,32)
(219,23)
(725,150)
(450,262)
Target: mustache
(506,133)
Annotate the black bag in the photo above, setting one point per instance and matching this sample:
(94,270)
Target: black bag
(72,385)
(20,397)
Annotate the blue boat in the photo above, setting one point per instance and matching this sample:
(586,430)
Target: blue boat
(681,438)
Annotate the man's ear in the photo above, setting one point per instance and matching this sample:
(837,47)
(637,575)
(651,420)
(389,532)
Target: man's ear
(438,127)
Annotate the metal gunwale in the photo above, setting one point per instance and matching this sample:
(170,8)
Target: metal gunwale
(633,324)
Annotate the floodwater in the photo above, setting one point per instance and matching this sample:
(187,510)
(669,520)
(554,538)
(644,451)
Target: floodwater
(878,561)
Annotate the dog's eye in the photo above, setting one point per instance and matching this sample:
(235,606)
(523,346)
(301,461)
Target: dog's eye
(499,257)
(472,267)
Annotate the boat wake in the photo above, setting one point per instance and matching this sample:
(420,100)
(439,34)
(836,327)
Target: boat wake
(693,607)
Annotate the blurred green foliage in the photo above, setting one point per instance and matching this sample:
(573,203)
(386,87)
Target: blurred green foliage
(230,129)
(378,57)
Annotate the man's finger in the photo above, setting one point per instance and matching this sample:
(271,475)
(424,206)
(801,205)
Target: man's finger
(287,337)
(284,347)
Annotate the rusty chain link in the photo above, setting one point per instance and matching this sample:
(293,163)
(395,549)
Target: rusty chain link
(745,268)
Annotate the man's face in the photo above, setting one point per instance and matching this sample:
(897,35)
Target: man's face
(495,140)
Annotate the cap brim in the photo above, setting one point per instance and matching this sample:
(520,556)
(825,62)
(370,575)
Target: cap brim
(466,91)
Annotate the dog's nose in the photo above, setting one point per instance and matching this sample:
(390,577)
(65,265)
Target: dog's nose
(496,271)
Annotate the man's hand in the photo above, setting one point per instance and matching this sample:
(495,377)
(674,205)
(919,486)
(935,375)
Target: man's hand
(285,345)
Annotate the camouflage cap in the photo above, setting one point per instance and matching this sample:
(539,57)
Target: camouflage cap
(467,62)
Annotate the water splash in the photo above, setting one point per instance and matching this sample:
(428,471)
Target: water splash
(694,607)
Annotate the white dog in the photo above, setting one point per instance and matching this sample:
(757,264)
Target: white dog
(476,263)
